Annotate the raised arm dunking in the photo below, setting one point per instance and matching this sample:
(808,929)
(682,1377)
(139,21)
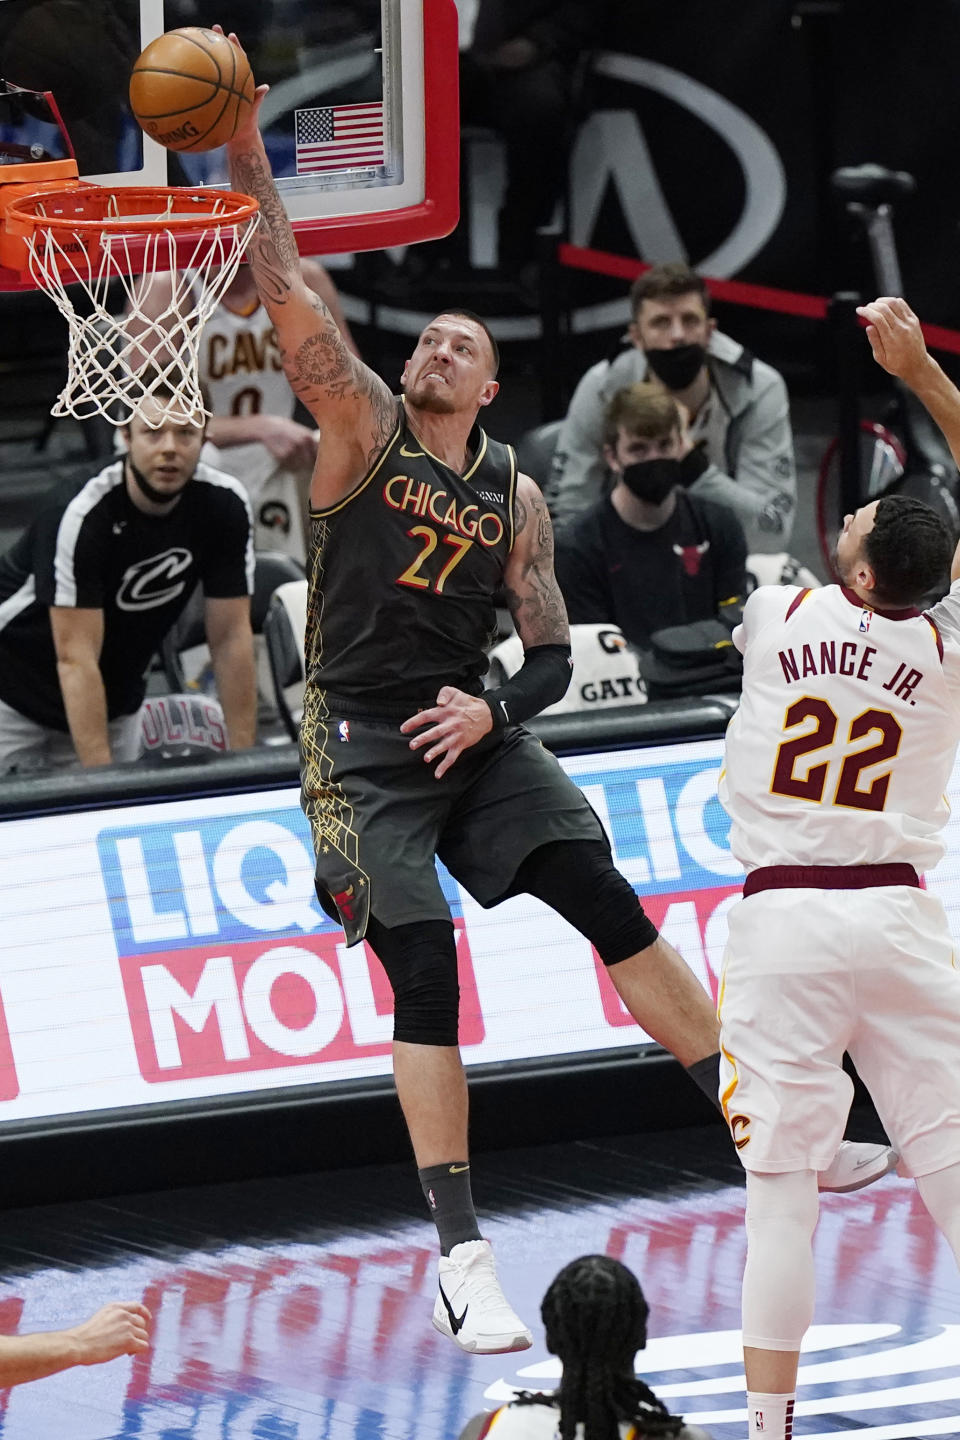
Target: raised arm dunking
(355,410)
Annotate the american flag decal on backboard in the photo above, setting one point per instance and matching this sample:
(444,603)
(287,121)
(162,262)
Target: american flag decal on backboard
(339,137)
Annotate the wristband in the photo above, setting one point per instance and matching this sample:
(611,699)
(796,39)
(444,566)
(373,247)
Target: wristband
(542,679)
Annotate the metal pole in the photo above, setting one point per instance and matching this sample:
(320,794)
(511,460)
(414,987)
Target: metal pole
(553,400)
(848,344)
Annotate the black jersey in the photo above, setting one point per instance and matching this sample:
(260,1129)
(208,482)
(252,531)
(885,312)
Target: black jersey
(403,574)
(92,548)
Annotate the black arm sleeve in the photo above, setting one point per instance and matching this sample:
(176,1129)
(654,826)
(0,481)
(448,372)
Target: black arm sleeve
(542,679)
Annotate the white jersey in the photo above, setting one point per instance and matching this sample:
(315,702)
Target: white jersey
(845,738)
(240,365)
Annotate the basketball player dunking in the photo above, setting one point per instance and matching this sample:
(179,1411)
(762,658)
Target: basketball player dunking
(252,425)
(836,767)
(253,422)
(417,519)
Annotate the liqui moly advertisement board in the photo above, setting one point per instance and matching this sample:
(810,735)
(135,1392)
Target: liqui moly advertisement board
(176,951)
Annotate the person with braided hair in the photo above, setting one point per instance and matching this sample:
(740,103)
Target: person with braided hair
(595,1317)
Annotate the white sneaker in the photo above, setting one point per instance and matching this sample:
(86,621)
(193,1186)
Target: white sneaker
(855,1165)
(471,1308)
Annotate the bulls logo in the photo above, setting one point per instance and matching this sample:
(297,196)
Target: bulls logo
(154,582)
(691,556)
(343,900)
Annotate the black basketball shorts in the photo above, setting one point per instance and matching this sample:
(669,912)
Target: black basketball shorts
(379,815)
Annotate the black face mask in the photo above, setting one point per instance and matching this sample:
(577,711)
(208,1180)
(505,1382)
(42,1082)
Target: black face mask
(652,480)
(679,367)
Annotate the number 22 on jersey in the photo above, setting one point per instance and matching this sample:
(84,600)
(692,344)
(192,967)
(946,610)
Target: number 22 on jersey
(852,789)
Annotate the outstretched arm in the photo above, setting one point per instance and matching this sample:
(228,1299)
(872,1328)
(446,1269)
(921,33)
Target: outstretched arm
(293,445)
(352,405)
(320,280)
(898,346)
(118,1329)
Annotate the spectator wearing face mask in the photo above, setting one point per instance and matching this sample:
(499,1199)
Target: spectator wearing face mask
(738,409)
(652,553)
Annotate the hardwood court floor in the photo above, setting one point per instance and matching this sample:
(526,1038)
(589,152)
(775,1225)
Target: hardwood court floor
(299,1308)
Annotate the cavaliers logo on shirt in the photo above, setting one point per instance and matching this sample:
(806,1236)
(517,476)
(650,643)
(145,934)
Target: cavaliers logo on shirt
(155,581)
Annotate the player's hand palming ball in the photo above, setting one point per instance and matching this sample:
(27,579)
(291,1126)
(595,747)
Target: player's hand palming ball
(191,89)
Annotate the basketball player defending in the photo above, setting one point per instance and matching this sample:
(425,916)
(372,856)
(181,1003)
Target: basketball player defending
(417,519)
(836,767)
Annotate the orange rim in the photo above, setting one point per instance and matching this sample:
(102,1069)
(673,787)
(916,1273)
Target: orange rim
(93,209)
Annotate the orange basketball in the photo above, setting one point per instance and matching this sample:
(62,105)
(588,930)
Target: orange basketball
(191,89)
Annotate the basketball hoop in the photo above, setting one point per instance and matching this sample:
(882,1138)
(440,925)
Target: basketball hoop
(90,237)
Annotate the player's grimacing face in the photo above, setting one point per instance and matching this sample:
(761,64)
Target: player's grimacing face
(450,368)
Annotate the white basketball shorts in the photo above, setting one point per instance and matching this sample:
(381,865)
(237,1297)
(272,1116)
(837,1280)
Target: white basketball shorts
(808,974)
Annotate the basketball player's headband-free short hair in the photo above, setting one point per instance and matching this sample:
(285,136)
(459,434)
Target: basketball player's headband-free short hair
(641,409)
(666,282)
(478,320)
(909,550)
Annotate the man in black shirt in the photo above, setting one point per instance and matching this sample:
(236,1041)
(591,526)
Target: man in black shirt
(650,554)
(91,588)
(417,519)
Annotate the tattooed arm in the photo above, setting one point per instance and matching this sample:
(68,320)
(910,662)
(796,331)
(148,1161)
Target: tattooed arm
(533,594)
(353,407)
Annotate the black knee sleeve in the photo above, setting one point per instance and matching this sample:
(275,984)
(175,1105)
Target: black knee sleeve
(421,965)
(579,880)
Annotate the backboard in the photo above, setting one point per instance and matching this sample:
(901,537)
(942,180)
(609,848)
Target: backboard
(395,58)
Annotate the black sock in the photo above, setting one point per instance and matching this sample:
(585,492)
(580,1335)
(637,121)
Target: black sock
(706,1074)
(447,1192)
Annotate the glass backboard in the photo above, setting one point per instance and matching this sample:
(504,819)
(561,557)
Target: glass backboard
(397,59)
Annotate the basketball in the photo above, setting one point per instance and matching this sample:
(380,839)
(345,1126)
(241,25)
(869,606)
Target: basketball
(191,89)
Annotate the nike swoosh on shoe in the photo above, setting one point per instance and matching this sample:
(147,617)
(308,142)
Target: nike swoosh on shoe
(456,1324)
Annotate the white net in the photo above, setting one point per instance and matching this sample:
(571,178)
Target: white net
(138,305)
